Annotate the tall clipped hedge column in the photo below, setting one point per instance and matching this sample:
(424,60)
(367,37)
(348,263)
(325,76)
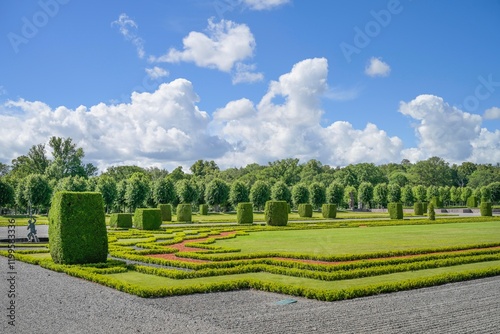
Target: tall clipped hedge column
(418,208)
(305,210)
(395,210)
(276,213)
(184,213)
(485,208)
(77,228)
(329,210)
(244,213)
(147,219)
(121,220)
(166,212)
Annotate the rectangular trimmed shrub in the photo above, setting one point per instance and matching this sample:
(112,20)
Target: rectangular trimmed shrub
(425,205)
(472,202)
(485,209)
(418,208)
(305,210)
(244,213)
(123,220)
(395,210)
(203,209)
(147,219)
(77,228)
(329,210)
(184,213)
(276,213)
(166,212)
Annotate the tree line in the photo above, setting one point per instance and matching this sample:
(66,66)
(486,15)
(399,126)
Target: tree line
(32,179)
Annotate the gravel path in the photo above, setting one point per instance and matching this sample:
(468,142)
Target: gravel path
(50,302)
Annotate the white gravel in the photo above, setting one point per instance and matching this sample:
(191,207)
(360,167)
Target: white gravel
(50,302)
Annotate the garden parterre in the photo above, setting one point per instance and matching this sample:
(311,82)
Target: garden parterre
(191,259)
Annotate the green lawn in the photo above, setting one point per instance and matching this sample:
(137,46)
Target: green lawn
(366,240)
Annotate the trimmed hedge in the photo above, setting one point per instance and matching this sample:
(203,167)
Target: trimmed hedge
(418,208)
(472,202)
(244,213)
(184,213)
(276,213)
(166,212)
(395,210)
(329,210)
(305,210)
(123,220)
(77,228)
(147,219)
(204,209)
(431,212)
(485,209)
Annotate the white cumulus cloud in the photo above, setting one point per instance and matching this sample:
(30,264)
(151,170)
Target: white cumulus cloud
(225,44)
(377,68)
(156,72)
(265,4)
(246,73)
(164,127)
(286,123)
(492,113)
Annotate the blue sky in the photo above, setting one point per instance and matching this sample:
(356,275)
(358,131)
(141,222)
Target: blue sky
(165,83)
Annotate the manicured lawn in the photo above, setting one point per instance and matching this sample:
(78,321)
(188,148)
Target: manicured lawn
(366,240)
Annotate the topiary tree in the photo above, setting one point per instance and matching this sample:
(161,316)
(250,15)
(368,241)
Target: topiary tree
(300,194)
(395,210)
(137,191)
(418,208)
(260,193)
(365,194)
(106,185)
(407,195)
(305,210)
(485,194)
(350,196)
(77,228)
(166,212)
(216,193)
(466,193)
(147,219)
(380,194)
(393,193)
(432,192)
(184,213)
(120,220)
(431,212)
(164,191)
(6,194)
(276,213)
(238,193)
(472,202)
(485,209)
(244,213)
(186,191)
(204,209)
(317,194)
(329,211)
(420,193)
(335,193)
(37,191)
(444,195)
(281,192)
